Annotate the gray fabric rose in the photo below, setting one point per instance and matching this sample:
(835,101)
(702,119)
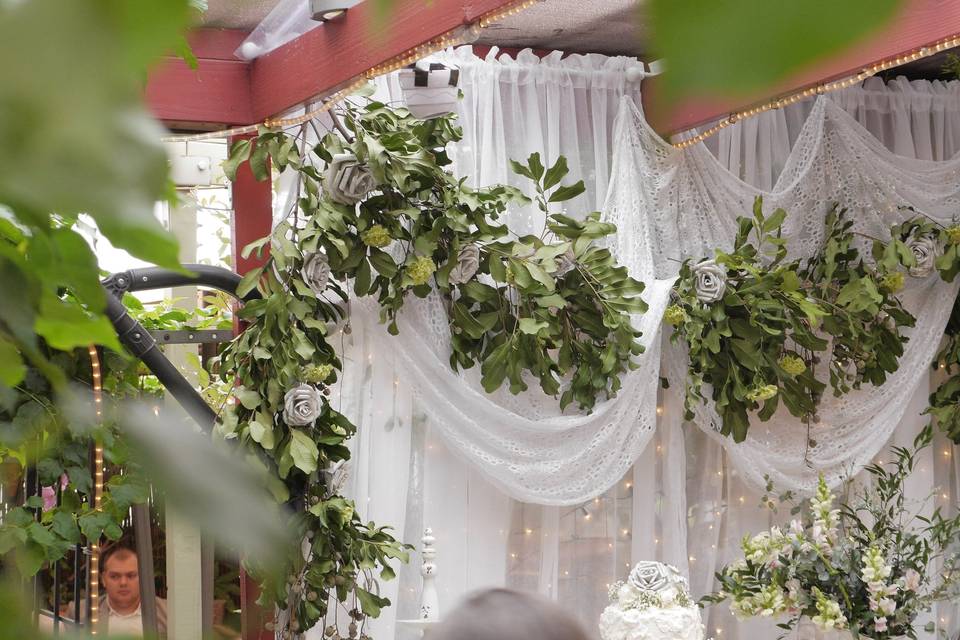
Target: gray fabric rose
(347,180)
(709,281)
(302,405)
(335,476)
(316,272)
(650,576)
(468,261)
(566,263)
(925,250)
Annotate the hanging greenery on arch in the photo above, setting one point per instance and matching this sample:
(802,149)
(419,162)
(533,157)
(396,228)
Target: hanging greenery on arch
(379,214)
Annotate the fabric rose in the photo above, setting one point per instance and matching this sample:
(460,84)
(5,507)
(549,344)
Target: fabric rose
(335,476)
(650,576)
(709,281)
(468,261)
(925,251)
(316,272)
(302,405)
(566,263)
(347,180)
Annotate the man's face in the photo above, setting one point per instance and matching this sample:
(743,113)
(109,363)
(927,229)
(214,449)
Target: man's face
(121,581)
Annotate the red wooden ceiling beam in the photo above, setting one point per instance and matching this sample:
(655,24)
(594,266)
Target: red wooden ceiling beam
(216,93)
(920,23)
(338,51)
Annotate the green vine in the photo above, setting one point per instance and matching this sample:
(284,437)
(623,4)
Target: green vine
(757,324)
(945,401)
(378,213)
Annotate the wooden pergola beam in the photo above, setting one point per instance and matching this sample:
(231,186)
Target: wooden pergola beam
(336,52)
(224,90)
(921,23)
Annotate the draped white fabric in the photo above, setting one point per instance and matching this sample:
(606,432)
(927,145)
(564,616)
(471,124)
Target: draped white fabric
(434,450)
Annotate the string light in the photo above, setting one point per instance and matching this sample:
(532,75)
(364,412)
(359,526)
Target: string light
(452,38)
(94,589)
(820,89)
(659,411)
(528,531)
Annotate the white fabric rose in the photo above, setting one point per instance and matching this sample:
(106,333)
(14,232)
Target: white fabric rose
(347,180)
(302,405)
(335,476)
(709,281)
(316,272)
(468,261)
(925,250)
(650,576)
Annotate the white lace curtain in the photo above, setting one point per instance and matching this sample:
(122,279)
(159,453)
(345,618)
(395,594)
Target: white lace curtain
(433,451)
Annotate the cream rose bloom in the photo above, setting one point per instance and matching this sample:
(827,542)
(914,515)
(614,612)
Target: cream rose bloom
(302,405)
(709,281)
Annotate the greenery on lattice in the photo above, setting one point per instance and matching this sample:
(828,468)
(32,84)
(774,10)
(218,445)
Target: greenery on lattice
(757,324)
(378,213)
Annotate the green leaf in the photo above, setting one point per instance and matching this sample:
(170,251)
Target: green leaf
(65,526)
(540,275)
(362,283)
(12,369)
(260,162)
(383,263)
(536,166)
(249,398)
(555,173)
(65,326)
(239,153)
(773,41)
(304,451)
(370,604)
(567,193)
(531,326)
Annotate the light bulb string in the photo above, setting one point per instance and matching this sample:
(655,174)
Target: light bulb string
(454,37)
(94,574)
(820,89)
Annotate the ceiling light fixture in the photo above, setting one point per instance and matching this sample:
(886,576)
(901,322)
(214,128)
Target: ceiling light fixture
(326,10)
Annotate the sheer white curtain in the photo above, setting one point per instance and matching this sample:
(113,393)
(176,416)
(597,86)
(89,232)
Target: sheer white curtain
(682,502)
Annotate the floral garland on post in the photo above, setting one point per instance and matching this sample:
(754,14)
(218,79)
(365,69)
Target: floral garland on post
(757,324)
(378,212)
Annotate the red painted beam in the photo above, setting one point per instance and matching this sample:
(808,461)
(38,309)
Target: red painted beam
(216,93)
(338,51)
(920,23)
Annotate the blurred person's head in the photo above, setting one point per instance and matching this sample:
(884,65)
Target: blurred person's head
(502,614)
(120,578)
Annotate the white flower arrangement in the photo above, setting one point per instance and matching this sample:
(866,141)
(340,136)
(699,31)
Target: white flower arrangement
(858,567)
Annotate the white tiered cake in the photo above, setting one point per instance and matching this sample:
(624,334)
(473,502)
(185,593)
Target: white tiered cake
(653,604)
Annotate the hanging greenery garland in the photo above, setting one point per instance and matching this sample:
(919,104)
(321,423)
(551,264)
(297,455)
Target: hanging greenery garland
(945,401)
(378,212)
(757,325)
